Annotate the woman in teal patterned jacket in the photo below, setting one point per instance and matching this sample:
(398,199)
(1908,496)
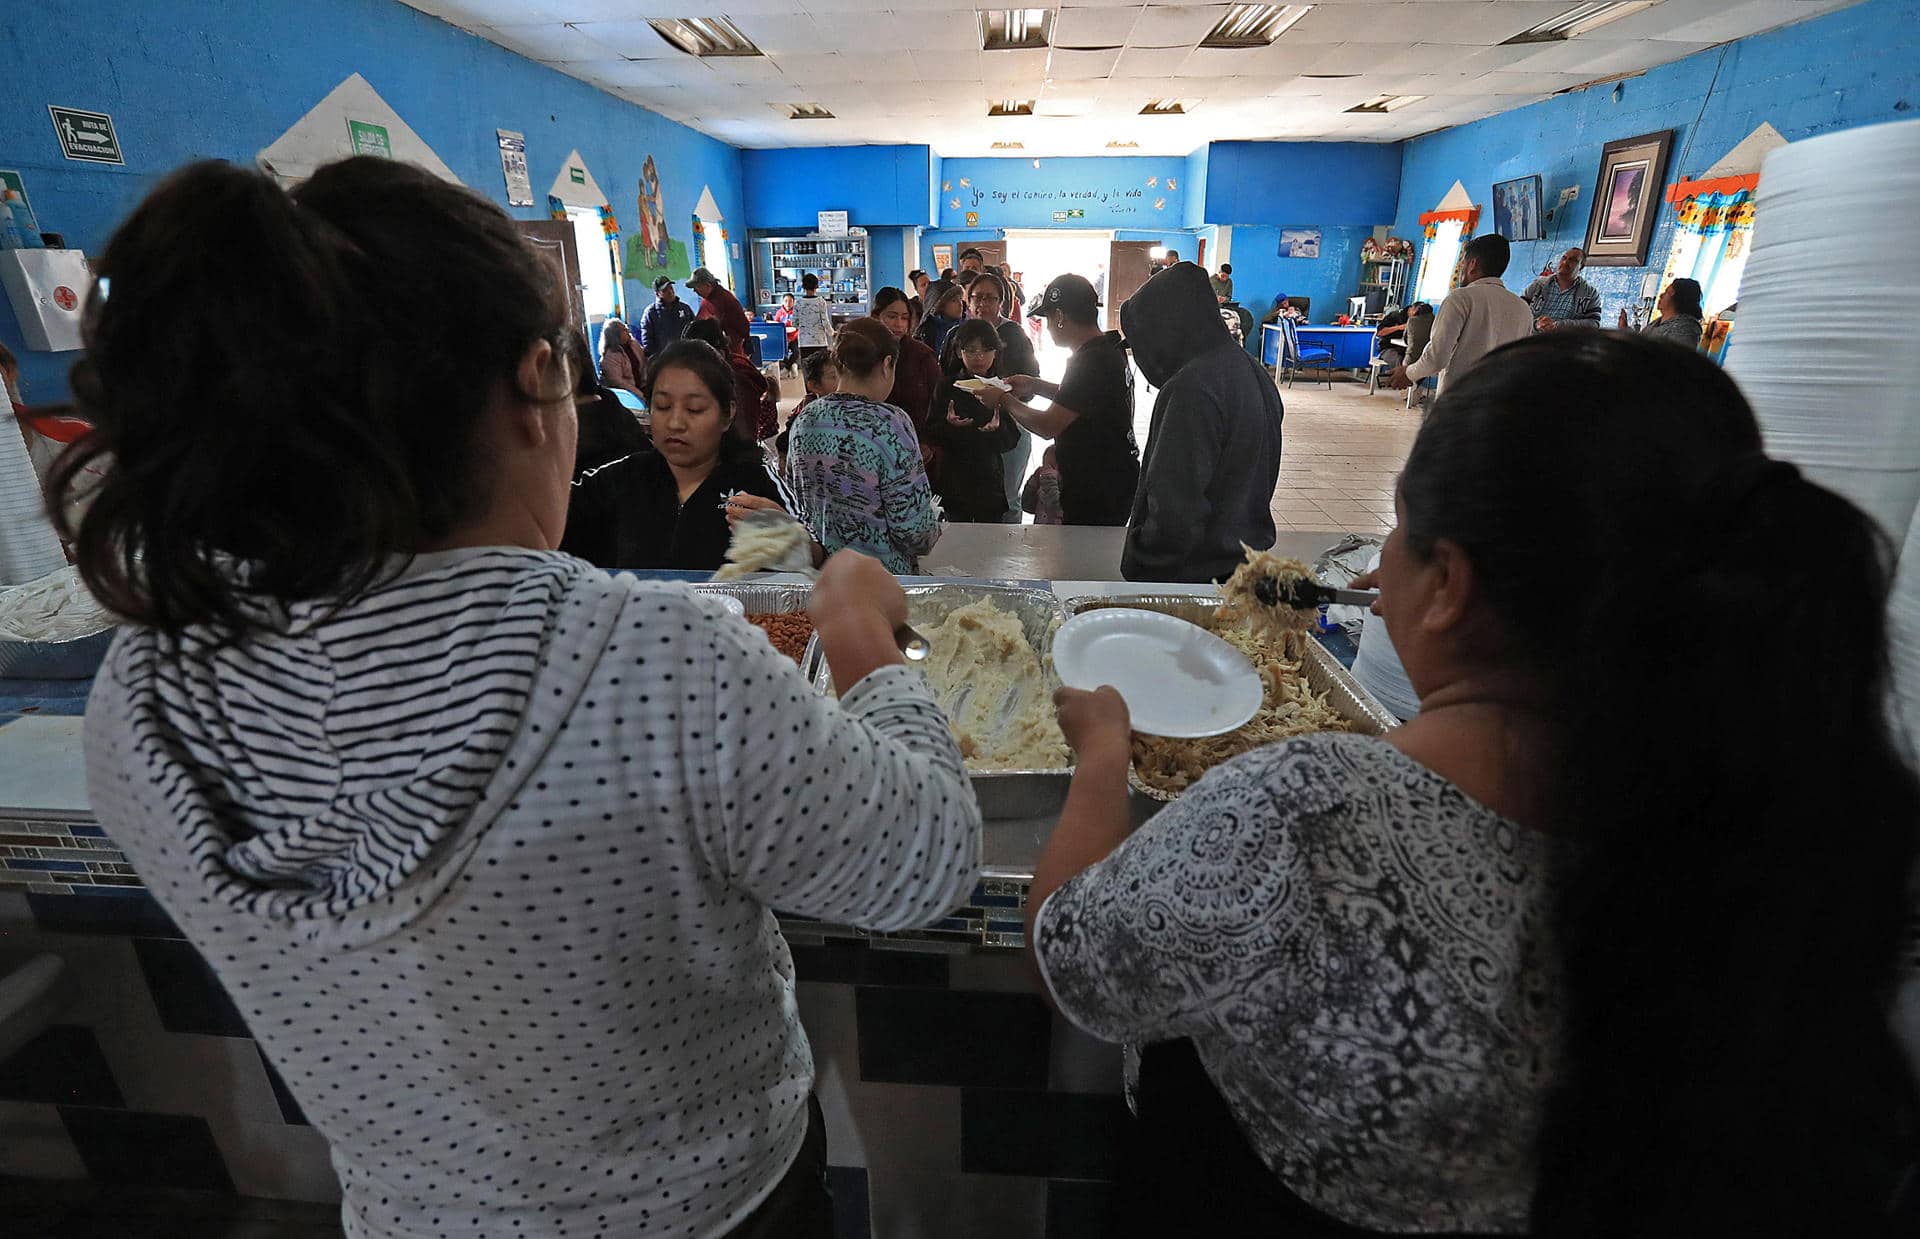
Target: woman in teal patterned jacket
(854,463)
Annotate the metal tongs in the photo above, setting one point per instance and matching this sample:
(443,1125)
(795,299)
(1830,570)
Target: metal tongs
(1307,595)
(799,559)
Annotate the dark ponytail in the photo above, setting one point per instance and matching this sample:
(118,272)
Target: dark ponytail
(294,383)
(1709,630)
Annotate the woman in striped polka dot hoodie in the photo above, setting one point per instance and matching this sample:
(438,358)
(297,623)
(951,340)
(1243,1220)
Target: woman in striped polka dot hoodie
(483,842)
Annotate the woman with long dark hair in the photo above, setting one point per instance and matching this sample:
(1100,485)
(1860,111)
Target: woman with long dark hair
(1603,942)
(482,841)
(917,369)
(670,506)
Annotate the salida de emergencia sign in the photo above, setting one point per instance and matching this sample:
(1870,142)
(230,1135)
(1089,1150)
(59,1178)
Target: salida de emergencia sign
(86,136)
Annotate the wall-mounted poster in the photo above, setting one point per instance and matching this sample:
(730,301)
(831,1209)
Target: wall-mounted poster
(1299,243)
(1626,200)
(1516,208)
(942,258)
(513,166)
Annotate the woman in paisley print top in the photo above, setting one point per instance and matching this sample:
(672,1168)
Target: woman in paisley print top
(1602,942)
(854,462)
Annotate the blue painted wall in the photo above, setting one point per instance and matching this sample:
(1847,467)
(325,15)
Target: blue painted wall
(185,81)
(888,247)
(1115,192)
(1302,183)
(1260,274)
(874,185)
(1858,66)
(1198,167)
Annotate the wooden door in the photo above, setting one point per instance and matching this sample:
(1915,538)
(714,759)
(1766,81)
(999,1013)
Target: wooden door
(553,238)
(1129,264)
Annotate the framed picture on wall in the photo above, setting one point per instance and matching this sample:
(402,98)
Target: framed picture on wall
(942,259)
(1299,243)
(1516,209)
(1626,200)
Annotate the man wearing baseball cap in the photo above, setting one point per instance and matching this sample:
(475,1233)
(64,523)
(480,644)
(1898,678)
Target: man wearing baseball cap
(1090,417)
(718,303)
(664,320)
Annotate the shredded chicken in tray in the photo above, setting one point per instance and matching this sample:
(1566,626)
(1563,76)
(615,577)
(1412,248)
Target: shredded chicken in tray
(1288,625)
(1274,640)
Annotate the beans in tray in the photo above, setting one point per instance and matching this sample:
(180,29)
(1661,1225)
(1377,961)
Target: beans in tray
(788,631)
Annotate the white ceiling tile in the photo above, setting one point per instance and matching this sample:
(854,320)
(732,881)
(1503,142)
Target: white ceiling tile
(1067,64)
(1094,27)
(944,65)
(1169,25)
(1152,61)
(1528,83)
(1027,64)
(790,33)
(547,41)
(1355,58)
(635,40)
(814,67)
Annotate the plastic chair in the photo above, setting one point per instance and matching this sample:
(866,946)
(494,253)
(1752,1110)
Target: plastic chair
(1295,360)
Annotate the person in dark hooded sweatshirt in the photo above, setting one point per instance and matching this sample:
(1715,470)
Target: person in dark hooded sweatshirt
(1213,449)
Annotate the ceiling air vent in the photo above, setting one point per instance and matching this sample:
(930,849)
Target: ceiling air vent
(1386,103)
(1254,25)
(705,36)
(1010,107)
(1009,30)
(1579,19)
(1165,107)
(807,111)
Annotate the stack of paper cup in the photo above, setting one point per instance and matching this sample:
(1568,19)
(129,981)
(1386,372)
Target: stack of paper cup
(1825,344)
(29,549)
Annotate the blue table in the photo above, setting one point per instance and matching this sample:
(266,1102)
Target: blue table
(773,340)
(1352,347)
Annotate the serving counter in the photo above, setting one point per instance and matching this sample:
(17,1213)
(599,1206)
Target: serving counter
(956,1102)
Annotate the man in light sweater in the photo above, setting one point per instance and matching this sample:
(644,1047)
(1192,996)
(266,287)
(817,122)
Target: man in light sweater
(1475,319)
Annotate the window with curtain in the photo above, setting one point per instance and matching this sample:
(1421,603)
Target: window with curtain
(1713,231)
(1438,259)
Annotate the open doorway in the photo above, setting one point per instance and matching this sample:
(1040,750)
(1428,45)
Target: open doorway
(597,287)
(1036,257)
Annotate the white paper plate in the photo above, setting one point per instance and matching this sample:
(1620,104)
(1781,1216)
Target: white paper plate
(1178,679)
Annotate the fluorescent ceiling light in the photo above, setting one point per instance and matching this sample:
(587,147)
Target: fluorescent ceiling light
(1010,107)
(1164,107)
(1386,103)
(807,111)
(1005,30)
(1254,25)
(705,36)
(1580,19)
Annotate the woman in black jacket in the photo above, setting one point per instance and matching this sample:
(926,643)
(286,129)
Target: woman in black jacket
(972,438)
(667,508)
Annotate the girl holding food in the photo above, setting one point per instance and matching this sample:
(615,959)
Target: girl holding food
(971,437)
(1603,941)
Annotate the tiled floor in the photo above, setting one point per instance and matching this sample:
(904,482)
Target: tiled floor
(1343,449)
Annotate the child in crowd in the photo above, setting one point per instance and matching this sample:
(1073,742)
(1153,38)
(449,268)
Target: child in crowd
(1041,496)
(812,319)
(971,437)
(821,377)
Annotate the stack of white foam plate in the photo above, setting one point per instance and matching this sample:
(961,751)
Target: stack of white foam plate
(1825,346)
(29,549)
